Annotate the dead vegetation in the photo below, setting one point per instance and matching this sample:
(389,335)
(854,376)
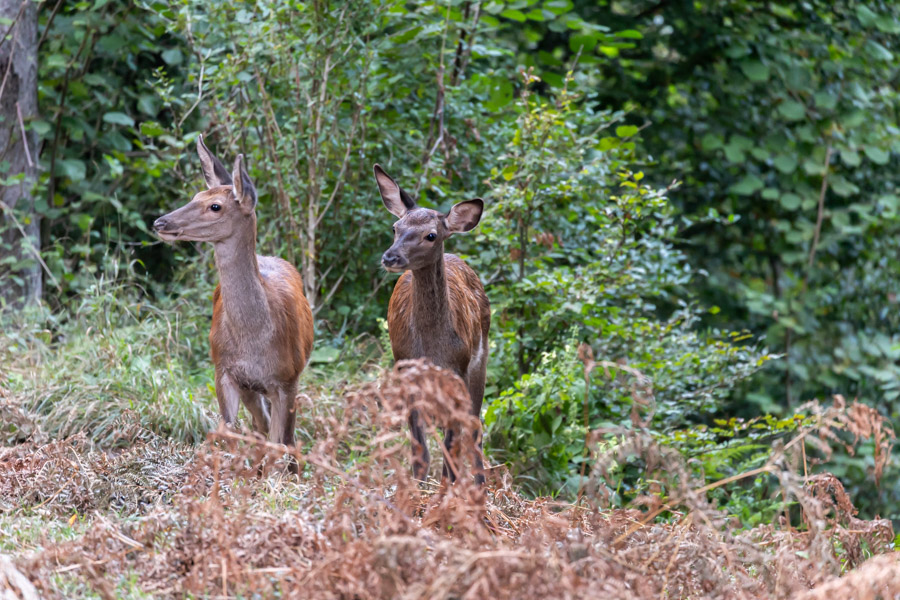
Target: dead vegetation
(222,520)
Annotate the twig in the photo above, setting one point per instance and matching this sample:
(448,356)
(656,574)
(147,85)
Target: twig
(53,497)
(24,137)
(294,451)
(9,63)
(49,22)
(37,254)
(199,95)
(819,215)
(437,118)
(13,24)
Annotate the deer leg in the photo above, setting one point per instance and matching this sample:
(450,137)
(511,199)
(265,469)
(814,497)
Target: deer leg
(421,457)
(258,408)
(476,377)
(283,420)
(451,458)
(228,393)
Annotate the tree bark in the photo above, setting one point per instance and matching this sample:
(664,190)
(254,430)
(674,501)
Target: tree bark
(20,270)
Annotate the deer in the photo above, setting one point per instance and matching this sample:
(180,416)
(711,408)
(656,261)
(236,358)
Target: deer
(262,327)
(438,309)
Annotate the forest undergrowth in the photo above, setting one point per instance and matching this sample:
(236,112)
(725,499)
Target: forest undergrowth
(222,519)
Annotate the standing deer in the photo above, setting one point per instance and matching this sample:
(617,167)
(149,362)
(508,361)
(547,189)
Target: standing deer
(262,326)
(438,309)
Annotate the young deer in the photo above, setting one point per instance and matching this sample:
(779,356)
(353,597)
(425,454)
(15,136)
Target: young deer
(262,326)
(438,309)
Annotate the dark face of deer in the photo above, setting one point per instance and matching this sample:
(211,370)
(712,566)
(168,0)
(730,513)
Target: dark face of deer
(420,233)
(217,213)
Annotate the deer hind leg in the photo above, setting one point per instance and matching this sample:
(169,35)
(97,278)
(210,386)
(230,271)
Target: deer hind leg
(452,455)
(228,393)
(283,420)
(421,458)
(258,407)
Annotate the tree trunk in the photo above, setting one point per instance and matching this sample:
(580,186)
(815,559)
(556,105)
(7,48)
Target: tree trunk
(20,271)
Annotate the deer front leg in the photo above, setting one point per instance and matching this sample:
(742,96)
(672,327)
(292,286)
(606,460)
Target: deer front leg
(283,420)
(228,393)
(421,457)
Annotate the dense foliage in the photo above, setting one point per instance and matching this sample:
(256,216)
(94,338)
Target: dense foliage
(575,121)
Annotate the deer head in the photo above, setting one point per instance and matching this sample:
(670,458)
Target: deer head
(217,213)
(420,232)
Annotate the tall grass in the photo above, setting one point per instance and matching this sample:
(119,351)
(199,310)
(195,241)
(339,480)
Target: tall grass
(109,352)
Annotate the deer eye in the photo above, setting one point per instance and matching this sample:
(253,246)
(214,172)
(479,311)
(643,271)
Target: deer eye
(215,207)
(430,237)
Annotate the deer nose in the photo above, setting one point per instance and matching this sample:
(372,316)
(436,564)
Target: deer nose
(391,259)
(160,224)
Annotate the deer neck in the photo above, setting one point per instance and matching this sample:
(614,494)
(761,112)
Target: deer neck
(243,297)
(431,304)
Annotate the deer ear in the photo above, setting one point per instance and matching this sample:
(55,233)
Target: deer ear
(465,215)
(214,171)
(244,192)
(395,199)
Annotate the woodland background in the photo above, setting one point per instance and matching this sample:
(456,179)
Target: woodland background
(705,193)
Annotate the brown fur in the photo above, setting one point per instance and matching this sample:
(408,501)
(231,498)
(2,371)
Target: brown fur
(438,310)
(262,326)
(283,286)
(470,310)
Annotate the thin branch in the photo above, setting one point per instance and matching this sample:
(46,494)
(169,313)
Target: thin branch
(819,215)
(12,52)
(24,136)
(463,55)
(31,247)
(437,118)
(199,96)
(14,21)
(49,22)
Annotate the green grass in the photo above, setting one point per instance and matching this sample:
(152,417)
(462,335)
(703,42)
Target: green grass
(110,355)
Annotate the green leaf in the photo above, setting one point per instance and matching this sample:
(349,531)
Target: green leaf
(585,43)
(747,186)
(850,158)
(790,201)
(151,129)
(866,17)
(825,101)
(41,127)
(558,7)
(172,56)
(842,187)
(72,168)
(633,34)
(755,70)
(791,110)
(626,130)
(608,143)
(711,142)
(785,163)
(876,155)
(734,153)
(878,52)
(515,15)
(83,220)
(324,354)
(118,118)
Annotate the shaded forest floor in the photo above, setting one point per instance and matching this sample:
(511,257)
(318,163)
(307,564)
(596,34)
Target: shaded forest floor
(222,519)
